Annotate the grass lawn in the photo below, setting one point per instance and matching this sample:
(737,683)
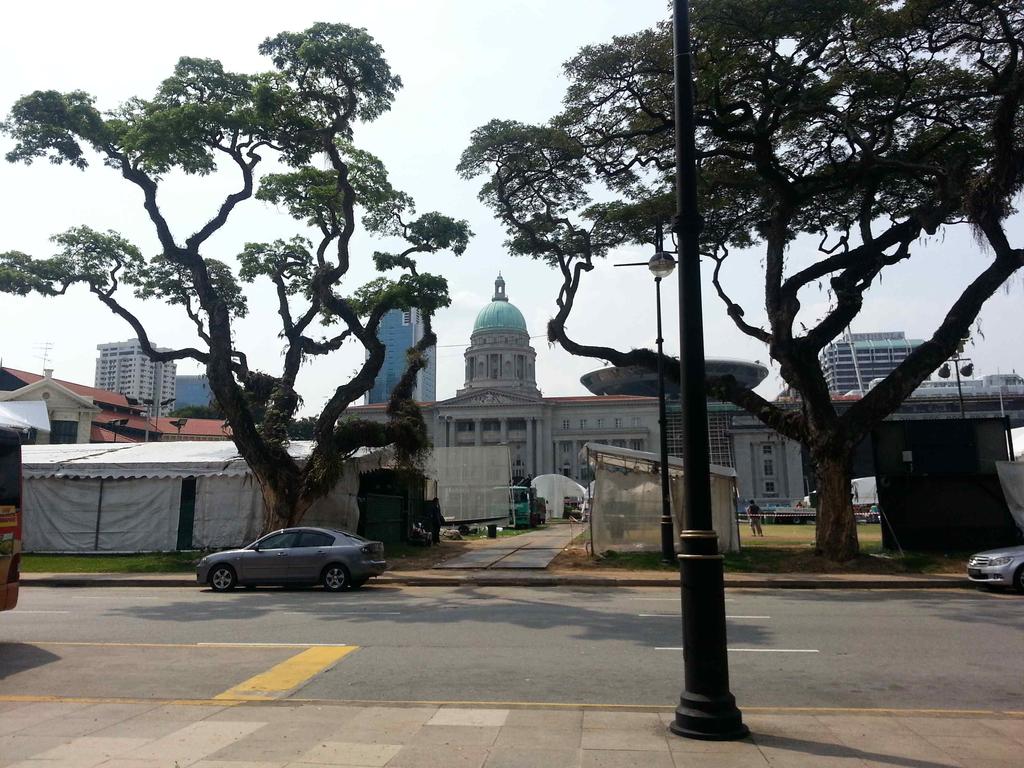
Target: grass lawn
(151,562)
(783,549)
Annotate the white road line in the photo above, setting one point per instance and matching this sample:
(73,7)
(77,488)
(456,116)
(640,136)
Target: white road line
(676,615)
(750,650)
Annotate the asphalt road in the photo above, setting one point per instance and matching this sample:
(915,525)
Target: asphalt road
(788,648)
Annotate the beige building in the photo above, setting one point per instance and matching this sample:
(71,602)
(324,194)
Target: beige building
(500,404)
(71,413)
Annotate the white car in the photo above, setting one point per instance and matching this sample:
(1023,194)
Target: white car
(998,568)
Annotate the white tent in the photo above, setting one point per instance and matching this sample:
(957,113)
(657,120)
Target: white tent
(472,483)
(1017,436)
(1011,478)
(555,489)
(625,511)
(134,497)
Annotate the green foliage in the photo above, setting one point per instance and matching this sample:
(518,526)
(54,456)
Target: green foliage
(423,291)
(175,284)
(288,261)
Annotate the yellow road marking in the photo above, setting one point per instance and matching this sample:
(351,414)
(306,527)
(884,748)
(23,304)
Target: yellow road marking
(288,675)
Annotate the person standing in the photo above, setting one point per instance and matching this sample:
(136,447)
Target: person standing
(434,519)
(754,516)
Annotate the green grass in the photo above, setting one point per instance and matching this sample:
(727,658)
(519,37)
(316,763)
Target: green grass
(153,562)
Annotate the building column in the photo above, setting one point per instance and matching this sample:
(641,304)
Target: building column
(504,431)
(531,468)
(478,434)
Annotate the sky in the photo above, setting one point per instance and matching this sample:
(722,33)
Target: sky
(463,63)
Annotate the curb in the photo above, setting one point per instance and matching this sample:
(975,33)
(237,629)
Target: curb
(743,581)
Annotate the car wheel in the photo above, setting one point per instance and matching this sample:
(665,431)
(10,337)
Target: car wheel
(1018,580)
(223,578)
(335,578)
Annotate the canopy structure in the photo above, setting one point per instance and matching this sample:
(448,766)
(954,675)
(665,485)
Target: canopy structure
(1017,436)
(555,489)
(26,414)
(1011,478)
(471,483)
(134,497)
(625,513)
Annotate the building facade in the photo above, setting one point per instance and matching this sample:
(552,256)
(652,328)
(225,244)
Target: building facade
(123,367)
(192,390)
(499,403)
(400,330)
(851,362)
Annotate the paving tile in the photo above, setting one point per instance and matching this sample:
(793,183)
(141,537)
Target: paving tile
(196,741)
(709,760)
(947,726)
(141,727)
(64,726)
(1011,729)
(232,764)
(548,719)
(479,735)
(967,748)
(596,719)
(626,759)
(439,756)
(15,748)
(527,737)
(401,733)
(391,716)
(784,758)
(351,754)
(459,716)
(92,750)
(699,746)
(515,757)
(635,740)
(126,762)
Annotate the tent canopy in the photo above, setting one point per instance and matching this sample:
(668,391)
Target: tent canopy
(27,414)
(554,489)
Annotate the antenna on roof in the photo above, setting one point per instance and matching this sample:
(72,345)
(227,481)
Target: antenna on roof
(43,349)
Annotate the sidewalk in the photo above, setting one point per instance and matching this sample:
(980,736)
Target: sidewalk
(546,578)
(290,734)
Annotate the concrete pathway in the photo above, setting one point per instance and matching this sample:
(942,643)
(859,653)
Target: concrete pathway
(533,550)
(52,732)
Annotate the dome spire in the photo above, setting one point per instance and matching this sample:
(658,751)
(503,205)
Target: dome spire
(499,289)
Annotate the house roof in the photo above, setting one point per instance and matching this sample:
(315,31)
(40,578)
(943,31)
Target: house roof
(96,395)
(100,434)
(194,427)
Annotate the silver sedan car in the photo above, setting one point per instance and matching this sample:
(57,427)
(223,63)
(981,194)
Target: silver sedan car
(998,568)
(335,559)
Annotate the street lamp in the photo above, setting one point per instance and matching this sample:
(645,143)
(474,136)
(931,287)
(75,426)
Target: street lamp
(662,265)
(967,370)
(707,709)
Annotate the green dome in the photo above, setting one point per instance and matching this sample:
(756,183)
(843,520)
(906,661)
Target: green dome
(499,314)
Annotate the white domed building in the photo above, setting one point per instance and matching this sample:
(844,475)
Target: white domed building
(499,404)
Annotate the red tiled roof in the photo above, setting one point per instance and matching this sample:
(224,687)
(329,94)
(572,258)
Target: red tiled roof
(132,421)
(195,427)
(96,395)
(100,434)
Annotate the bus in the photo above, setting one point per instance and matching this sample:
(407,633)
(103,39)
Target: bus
(10,518)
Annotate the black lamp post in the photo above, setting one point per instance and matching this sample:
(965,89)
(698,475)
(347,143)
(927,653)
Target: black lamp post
(707,709)
(662,265)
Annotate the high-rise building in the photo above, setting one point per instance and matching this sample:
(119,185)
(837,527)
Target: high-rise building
(192,389)
(123,367)
(400,329)
(851,362)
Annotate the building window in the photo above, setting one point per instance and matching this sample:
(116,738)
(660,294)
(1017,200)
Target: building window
(600,423)
(63,432)
(407,317)
(618,423)
(565,423)
(566,446)
(767,449)
(769,468)
(769,488)
(636,445)
(636,421)
(583,423)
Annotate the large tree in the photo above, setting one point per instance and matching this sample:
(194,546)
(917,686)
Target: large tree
(204,120)
(862,126)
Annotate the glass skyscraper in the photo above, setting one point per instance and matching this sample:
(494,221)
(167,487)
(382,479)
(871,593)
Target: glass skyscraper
(400,329)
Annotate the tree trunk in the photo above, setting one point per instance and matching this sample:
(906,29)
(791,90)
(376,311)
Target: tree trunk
(836,532)
(280,505)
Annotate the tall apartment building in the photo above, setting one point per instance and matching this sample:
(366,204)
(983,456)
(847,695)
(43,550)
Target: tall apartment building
(400,330)
(123,367)
(851,362)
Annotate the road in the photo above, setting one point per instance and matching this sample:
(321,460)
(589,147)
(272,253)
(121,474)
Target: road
(788,648)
